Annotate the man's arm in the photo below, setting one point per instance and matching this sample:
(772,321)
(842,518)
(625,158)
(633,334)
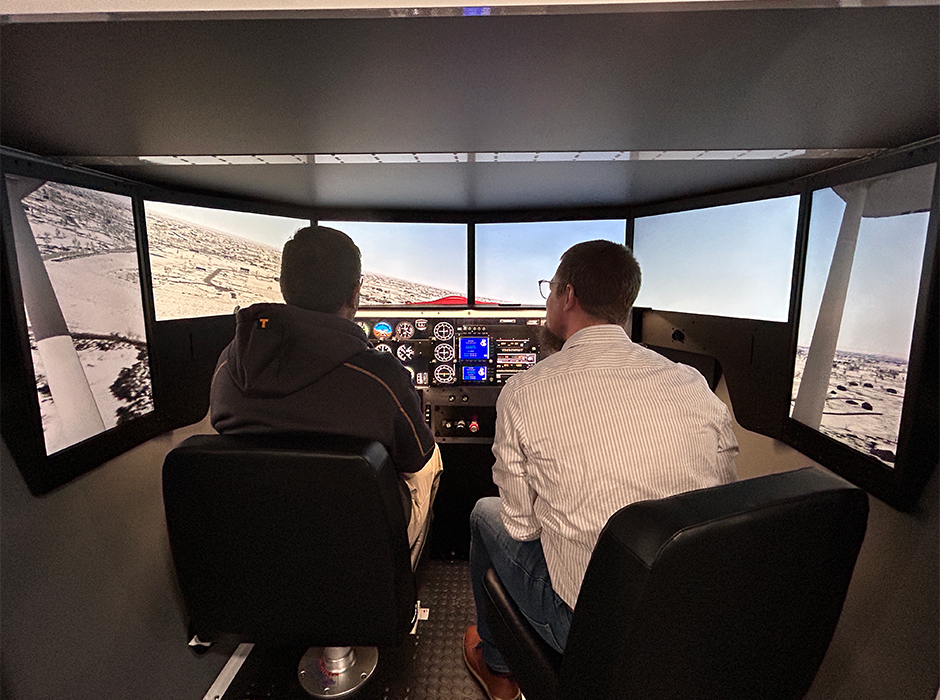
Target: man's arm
(406,436)
(414,442)
(517,497)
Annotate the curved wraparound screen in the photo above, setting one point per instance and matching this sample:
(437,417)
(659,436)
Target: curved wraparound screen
(511,258)
(77,257)
(734,260)
(207,262)
(404,263)
(863,268)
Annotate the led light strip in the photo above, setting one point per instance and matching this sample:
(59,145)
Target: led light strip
(479,157)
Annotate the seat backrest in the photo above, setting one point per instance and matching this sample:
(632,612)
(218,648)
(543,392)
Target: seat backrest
(727,592)
(295,540)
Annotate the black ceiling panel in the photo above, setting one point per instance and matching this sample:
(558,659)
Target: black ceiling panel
(637,81)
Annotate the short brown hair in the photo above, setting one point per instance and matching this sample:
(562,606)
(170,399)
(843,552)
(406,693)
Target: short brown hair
(605,277)
(320,268)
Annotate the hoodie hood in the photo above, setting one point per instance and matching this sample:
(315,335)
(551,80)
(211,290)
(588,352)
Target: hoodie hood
(279,349)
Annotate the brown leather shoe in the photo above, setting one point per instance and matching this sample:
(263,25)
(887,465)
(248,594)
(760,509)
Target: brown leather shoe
(496,687)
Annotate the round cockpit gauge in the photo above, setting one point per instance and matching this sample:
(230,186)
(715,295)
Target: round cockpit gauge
(382,347)
(444,374)
(444,353)
(443,331)
(364,326)
(405,353)
(382,330)
(404,330)
(421,324)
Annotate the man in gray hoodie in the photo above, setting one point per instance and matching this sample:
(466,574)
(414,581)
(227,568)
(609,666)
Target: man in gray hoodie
(305,366)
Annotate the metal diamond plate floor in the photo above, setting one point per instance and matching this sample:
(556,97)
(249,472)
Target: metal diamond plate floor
(427,666)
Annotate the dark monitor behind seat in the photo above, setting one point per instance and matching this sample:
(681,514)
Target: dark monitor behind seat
(731,592)
(290,540)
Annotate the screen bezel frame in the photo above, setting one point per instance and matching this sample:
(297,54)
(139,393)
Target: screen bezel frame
(20,418)
(901,485)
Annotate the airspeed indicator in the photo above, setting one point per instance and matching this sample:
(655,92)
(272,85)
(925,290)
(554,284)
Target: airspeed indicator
(404,330)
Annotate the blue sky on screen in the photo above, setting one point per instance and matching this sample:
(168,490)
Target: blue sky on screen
(432,254)
(512,257)
(268,230)
(733,260)
(882,295)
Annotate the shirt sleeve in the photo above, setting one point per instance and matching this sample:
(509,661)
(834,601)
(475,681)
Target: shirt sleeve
(727,451)
(517,496)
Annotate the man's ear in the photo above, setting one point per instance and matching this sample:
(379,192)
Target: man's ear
(570,299)
(354,302)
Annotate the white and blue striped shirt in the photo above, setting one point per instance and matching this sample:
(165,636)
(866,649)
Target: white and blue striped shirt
(601,424)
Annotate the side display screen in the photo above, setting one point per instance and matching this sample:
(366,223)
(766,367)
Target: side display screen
(863,274)
(80,280)
(734,260)
(207,262)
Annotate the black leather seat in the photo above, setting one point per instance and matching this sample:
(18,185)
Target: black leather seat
(727,593)
(291,540)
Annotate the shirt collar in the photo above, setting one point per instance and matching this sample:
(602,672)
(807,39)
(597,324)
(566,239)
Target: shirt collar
(603,333)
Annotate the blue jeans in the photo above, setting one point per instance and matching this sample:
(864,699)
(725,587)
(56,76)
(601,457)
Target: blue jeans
(522,569)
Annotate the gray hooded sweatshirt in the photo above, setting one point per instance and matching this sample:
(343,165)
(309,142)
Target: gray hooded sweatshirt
(290,370)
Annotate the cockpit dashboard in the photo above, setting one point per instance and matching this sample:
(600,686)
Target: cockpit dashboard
(449,351)
(458,360)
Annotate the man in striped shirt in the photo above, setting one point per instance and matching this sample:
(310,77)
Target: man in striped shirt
(600,424)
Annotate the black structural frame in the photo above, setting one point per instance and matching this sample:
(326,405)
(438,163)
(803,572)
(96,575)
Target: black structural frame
(899,486)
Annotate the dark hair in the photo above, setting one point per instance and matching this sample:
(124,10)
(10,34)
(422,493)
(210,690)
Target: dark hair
(320,268)
(605,277)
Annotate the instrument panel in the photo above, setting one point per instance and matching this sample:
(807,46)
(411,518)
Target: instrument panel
(451,352)
(458,364)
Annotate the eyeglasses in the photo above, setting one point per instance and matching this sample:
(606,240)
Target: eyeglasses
(545,288)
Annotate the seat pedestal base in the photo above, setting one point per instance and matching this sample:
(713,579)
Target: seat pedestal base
(336,672)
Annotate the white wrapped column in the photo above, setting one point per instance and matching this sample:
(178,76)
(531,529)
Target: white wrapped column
(814,386)
(75,404)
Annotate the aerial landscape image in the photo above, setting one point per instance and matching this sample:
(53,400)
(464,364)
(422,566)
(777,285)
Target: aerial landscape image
(209,262)
(86,241)
(864,401)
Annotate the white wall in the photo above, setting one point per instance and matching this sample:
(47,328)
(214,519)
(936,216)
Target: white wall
(886,646)
(89,606)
